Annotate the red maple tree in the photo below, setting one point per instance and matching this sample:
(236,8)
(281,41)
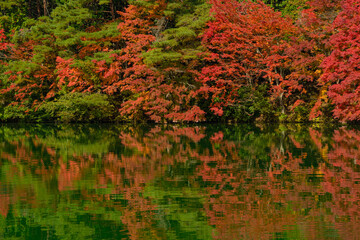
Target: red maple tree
(341,68)
(246,46)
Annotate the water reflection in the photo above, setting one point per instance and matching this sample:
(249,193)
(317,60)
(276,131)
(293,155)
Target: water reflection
(179,182)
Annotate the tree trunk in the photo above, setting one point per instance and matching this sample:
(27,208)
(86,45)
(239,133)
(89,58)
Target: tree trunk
(29,9)
(38,7)
(46,12)
(112,9)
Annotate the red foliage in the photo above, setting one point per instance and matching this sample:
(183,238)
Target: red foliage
(340,178)
(30,86)
(341,68)
(152,98)
(71,77)
(3,43)
(143,92)
(309,50)
(246,46)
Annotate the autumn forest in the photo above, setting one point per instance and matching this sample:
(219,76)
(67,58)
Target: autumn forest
(179,61)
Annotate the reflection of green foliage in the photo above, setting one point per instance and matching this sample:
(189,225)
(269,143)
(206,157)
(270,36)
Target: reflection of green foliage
(255,142)
(40,209)
(68,140)
(54,214)
(180,210)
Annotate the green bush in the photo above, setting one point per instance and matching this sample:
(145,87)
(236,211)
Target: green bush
(299,114)
(251,105)
(14,113)
(78,107)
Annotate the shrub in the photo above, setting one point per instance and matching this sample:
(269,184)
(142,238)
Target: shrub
(14,113)
(78,107)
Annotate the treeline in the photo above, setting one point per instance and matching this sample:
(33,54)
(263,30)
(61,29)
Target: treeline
(180,60)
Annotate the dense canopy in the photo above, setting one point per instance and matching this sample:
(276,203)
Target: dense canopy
(179,60)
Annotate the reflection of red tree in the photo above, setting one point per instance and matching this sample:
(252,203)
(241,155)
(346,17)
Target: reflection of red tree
(241,199)
(124,174)
(4,204)
(341,180)
(130,174)
(72,171)
(245,202)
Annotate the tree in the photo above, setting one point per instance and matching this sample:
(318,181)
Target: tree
(146,93)
(307,53)
(34,72)
(341,68)
(246,47)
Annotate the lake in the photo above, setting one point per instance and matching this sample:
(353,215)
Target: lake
(179,182)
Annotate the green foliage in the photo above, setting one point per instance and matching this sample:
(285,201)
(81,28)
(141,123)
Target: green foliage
(292,8)
(252,104)
(13,14)
(14,113)
(299,114)
(169,182)
(71,14)
(153,57)
(276,4)
(78,107)
(180,41)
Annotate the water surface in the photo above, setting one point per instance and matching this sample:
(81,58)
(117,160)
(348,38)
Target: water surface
(179,182)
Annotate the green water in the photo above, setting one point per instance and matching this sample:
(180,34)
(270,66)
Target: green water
(179,182)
